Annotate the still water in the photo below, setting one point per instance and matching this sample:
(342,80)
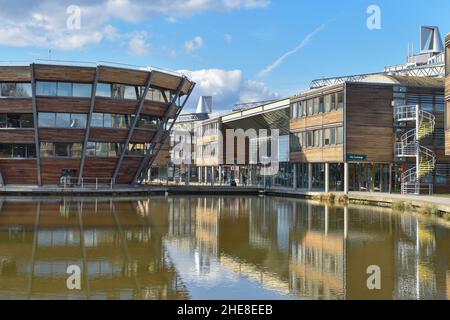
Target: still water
(217,248)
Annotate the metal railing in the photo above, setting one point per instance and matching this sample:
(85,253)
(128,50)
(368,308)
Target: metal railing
(417,188)
(86,183)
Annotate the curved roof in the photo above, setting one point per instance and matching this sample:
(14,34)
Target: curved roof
(405,80)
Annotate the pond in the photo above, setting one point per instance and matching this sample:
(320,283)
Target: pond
(209,247)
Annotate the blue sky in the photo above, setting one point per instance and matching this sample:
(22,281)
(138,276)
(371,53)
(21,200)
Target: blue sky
(224,44)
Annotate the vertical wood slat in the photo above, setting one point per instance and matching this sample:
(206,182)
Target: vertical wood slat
(153,155)
(88,124)
(36,124)
(133,126)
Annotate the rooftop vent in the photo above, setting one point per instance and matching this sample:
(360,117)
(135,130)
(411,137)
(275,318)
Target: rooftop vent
(204,105)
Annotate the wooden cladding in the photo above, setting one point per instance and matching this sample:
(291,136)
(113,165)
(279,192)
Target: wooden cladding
(108,135)
(16,106)
(123,76)
(447,142)
(156,109)
(51,168)
(68,105)
(447,86)
(319,155)
(17,136)
(128,169)
(106,105)
(99,167)
(15,74)
(63,73)
(369,121)
(142,135)
(18,171)
(61,135)
(164,80)
(320,120)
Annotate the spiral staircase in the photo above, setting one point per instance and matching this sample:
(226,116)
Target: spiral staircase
(410,146)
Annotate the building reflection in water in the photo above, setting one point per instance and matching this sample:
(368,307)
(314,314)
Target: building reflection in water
(217,247)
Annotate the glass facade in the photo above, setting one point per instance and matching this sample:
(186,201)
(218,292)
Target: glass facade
(15,90)
(109,120)
(17,151)
(369,177)
(314,106)
(62,120)
(16,120)
(104,149)
(63,89)
(61,150)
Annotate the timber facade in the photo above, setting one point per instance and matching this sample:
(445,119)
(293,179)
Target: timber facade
(447,94)
(73,124)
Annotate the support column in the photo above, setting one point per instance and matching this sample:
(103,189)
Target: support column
(206,175)
(294,176)
(310,174)
(199,175)
(346,178)
(188,175)
(327,177)
(220,175)
(213,175)
(390,177)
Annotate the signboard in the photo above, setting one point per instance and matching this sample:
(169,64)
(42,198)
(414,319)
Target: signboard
(356,157)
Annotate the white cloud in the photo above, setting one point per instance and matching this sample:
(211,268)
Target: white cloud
(194,44)
(228,37)
(138,46)
(227,87)
(281,59)
(43,23)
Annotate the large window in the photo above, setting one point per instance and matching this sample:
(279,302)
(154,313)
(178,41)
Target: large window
(15,90)
(148,122)
(61,150)
(62,120)
(16,120)
(109,120)
(104,149)
(340,100)
(118,91)
(17,151)
(63,89)
(141,149)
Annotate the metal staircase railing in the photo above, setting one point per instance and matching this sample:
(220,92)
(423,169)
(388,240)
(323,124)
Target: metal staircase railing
(410,146)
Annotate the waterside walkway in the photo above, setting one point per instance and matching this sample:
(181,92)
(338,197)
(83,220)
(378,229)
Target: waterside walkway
(379,199)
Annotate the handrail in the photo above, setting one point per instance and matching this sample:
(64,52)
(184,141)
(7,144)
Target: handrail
(86,183)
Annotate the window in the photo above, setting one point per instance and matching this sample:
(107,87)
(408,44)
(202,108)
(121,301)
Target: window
(90,149)
(333,102)
(301,110)
(316,139)
(18,151)
(64,89)
(15,90)
(310,108)
(107,120)
(316,105)
(103,90)
(46,149)
(333,136)
(321,104)
(46,120)
(328,103)
(340,100)
(45,88)
(5,150)
(148,122)
(310,139)
(340,135)
(78,120)
(59,149)
(82,90)
(62,120)
(97,120)
(16,120)
(326,137)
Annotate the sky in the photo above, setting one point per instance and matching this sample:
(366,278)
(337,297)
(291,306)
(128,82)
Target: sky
(235,50)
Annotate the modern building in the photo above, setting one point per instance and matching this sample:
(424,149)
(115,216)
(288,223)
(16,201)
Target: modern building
(382,134)
(80,124)
(447,94)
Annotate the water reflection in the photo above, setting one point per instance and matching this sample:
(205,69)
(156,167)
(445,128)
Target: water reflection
(217,248)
